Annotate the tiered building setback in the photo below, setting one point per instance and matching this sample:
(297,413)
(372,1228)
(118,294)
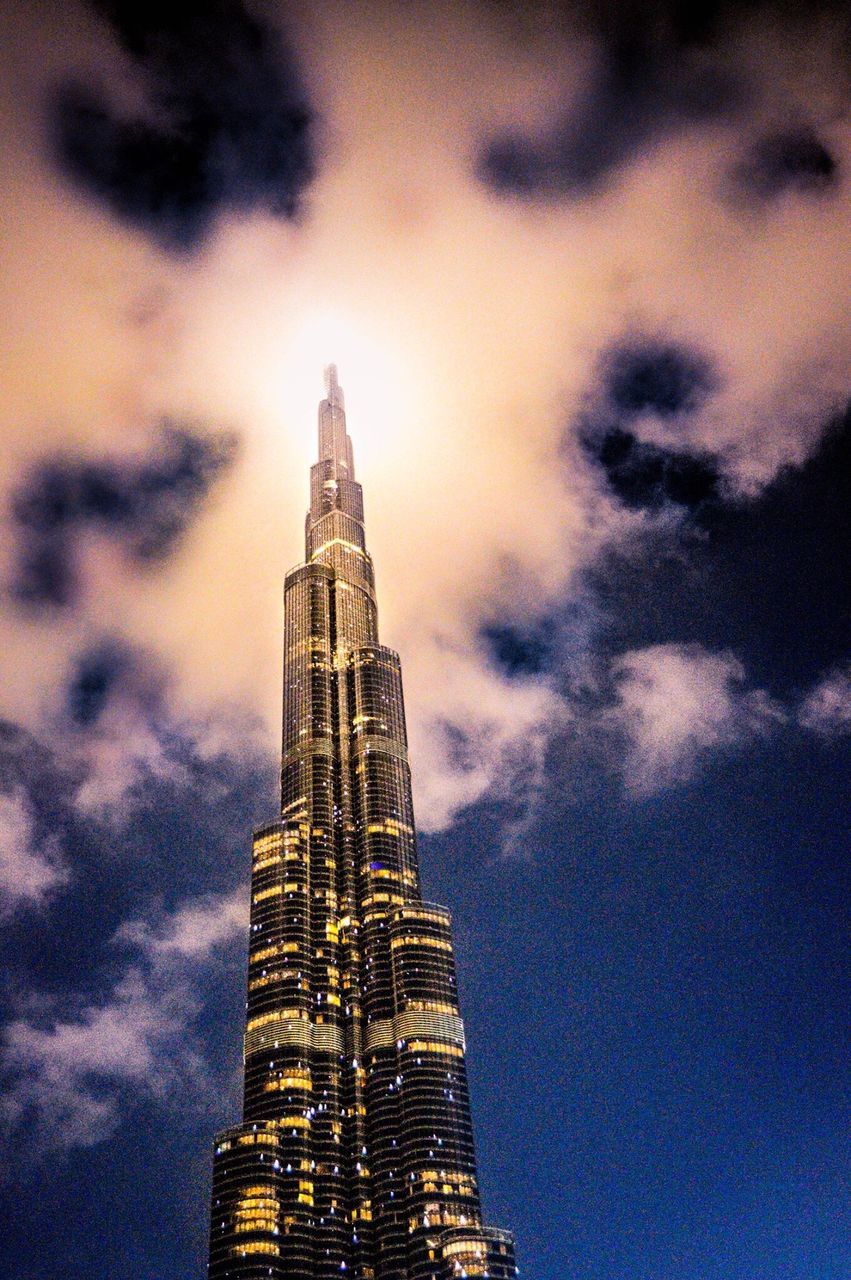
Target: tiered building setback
(355,1155)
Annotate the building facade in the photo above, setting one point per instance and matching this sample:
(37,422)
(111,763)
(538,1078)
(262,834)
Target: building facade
(355,1155)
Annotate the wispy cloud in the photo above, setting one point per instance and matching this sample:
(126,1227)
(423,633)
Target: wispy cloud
(480,734)
(675,705)
(29,872)
(71,1077)
(192,931)
(117,723)
(826,708)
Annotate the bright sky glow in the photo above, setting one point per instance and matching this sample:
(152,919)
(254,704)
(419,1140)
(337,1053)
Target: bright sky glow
(372,372)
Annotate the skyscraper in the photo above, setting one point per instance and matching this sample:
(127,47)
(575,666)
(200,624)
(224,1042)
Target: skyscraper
(355,1155)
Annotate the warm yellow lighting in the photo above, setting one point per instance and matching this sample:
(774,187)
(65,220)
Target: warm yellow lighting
(267,893)
(255,1246)
(416,940)
(434,1046)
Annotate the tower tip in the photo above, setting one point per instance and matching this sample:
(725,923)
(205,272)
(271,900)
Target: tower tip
(333,390)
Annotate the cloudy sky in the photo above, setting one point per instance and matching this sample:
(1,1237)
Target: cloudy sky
(585,270)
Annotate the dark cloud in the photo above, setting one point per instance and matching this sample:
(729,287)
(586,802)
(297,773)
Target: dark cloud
(94,681)
(766,578)
(665,380)
(657,377)
(516,652)
(27,763)
(659,69)
(227,127)
(645,475)
(145,505)
(789,160)
(679,25)
(44,574)
(647,84)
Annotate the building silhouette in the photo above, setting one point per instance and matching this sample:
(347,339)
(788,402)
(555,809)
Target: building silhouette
(355,1155)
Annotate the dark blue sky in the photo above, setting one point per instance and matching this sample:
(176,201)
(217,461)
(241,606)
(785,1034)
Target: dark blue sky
(608,494)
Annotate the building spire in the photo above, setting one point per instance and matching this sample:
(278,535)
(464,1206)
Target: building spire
(335,447)
(333,390)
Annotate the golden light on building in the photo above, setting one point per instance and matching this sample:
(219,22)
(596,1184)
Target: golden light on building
(355,1155)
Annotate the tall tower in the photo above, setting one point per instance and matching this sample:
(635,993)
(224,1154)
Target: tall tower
(355,1155)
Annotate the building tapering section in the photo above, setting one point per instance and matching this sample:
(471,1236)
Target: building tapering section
(355,1155)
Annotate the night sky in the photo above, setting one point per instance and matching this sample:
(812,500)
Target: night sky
(585,270)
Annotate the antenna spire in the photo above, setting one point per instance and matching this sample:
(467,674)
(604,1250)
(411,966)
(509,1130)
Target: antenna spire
(332,387)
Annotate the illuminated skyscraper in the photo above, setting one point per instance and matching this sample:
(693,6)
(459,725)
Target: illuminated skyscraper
(355,1154)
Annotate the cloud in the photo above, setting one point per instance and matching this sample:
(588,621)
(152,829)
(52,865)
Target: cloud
(484,735)
(224,125)
(193,930)
(650,386)
(675,705)
(118,728)
(468,330)
(95,679)
(119,774)
(647,477)
(149,804)
(144,505)
(123,731)
(634,80)
(516,651)
(643,375)
(29,872)
(114,739)
(826,709)
(793,159)
(71,1079)
(644,84)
